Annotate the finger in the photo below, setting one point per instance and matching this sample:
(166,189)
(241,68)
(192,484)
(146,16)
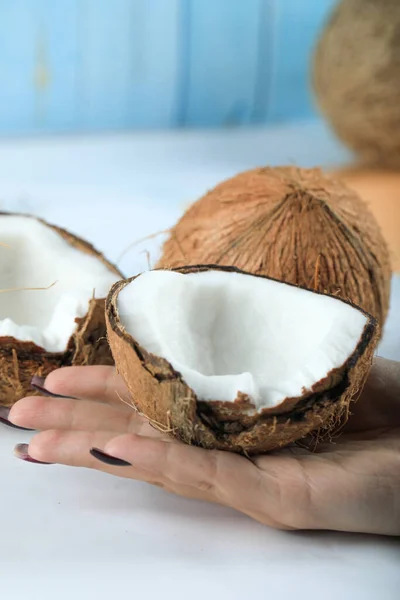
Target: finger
(99,383)
(79,415)
(222,477)
(72,448)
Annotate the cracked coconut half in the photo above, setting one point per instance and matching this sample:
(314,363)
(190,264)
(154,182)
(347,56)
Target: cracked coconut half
(229,360)
(52,296)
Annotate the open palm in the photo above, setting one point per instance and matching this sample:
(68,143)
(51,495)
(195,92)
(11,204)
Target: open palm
(351,484)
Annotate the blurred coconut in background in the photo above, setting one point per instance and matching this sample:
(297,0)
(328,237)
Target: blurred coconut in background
(356,77)
(356,80)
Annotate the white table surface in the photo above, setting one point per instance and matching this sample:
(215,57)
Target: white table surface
(69,533)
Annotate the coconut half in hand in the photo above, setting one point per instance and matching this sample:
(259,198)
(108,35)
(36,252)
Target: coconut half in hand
(53,287)
(228,360)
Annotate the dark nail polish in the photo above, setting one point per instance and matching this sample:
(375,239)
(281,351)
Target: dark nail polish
(108,459)
(21,451)
(35,383)
(4,413)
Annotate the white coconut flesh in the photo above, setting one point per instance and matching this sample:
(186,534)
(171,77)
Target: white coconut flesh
(227,332)
(36,256)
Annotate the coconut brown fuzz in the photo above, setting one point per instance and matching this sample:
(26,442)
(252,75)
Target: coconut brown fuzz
(160,394)
(21,360)
(292,224)
(356,77)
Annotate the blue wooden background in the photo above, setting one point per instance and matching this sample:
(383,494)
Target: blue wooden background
(86,65)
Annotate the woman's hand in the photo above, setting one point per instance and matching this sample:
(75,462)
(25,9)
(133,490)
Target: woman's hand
(350,485)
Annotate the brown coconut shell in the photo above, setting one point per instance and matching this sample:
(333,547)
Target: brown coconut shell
(291,224)
(160,393)
(380,188)
(356,77)
(20,361)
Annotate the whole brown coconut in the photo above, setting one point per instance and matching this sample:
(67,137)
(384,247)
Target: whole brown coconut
(356,77)
(20,360)
(292,224)
(161,394)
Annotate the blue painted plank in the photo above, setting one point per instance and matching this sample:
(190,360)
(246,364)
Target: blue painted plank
(265,47)
(221,62)
(296,26)
(17,61)
(56,60)
(37,72)
(156,56)
(129,63)
(104,67)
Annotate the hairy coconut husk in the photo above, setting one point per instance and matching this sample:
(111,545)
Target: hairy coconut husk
(291,224)
(160,394)
(356,77)
(380,188)
(20,360)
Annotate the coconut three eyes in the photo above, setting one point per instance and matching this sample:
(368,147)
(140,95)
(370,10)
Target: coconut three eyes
(224,359)
(45,326)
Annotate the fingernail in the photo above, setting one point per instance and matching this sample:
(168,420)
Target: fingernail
(37,384)
(4,414)
(21,451)
(108,459)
